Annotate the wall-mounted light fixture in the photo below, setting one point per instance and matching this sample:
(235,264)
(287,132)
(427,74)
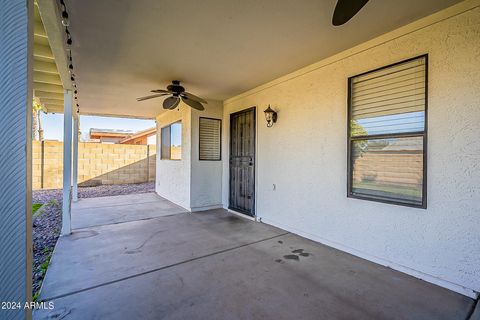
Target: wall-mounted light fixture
(270,116)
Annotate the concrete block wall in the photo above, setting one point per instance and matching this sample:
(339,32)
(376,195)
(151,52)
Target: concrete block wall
(397,168)
(97,164)
(152,163)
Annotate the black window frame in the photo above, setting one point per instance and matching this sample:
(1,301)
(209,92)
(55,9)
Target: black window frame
(350,140)
(169,126)
(199,144)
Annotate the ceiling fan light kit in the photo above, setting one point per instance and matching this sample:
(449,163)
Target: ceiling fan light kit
(177,93)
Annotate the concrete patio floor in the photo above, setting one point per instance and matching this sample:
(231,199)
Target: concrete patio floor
(142,257)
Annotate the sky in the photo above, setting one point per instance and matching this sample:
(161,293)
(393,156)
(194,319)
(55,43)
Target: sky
(52,125)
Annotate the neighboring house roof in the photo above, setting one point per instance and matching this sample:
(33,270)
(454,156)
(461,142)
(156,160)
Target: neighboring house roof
(111,133)
(144,133)
(124,136)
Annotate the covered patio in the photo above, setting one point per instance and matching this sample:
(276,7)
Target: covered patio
(171,264)
(324,171)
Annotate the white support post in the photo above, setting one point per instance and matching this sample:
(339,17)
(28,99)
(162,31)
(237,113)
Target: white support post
(67,162)
(76,122)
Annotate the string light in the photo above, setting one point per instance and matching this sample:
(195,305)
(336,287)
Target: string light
(65,20)
(69,42)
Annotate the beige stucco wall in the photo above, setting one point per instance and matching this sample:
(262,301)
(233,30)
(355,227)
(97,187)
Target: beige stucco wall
(193,184)
(173,176)
(97,164)
(206,183)
(305,155)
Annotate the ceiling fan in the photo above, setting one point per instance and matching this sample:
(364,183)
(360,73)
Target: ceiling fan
(177,93)
(345,10)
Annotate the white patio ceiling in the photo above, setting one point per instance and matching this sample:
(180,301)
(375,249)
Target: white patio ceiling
(219,48)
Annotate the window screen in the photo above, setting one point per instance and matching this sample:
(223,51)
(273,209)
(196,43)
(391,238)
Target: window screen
(387,133)
(171,140)
(165,153)
(210,139)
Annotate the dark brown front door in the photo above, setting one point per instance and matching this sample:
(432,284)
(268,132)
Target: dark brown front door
(242,161)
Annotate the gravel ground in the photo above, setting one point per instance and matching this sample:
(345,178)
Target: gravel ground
(48,220)
(43,196)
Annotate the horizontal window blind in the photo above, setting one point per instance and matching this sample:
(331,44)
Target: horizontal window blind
(387,133)
(389,100)
(210,139)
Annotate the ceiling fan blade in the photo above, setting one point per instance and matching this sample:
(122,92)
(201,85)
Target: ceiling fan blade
(345,10)
(151,96)
(192,103)
(192,97)
(162,91)
(175,104)
(171,102)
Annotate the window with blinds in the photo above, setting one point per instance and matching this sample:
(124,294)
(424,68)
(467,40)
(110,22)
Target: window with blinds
(171,142)
(387,134)
(210,141)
